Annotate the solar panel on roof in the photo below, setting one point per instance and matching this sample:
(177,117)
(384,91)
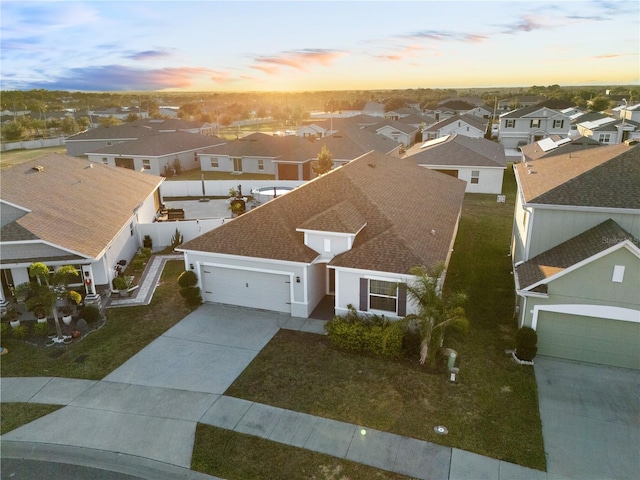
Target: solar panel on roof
(562,141)
(547,144)
(435,141)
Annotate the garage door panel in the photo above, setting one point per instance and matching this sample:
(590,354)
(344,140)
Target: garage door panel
(247,288)
(589,339)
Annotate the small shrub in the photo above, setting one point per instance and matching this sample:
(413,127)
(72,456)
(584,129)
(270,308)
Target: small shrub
(191,295)
(41,329)
(20,332)
(137,264)
(176,239)
(121,283)
(526,343)
(374,336)
(188,278)
(145,253)
(90,313)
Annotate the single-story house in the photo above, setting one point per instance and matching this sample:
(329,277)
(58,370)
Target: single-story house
(479,162)
(101,137)
(354,233)
(159,154)
(63,210)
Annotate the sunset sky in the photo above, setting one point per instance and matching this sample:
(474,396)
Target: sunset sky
(316,45)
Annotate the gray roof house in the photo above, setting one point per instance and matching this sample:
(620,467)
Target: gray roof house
(397,131)
(346,234)
(63,210)
(576,256)
(160,154)
(465,124)
(94,139)
(481,163)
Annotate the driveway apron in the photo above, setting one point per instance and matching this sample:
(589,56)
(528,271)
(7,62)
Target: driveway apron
(149,406)
(590,419)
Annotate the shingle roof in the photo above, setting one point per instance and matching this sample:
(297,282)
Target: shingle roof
(400,202)
(457,105)
(534,151)
(569,253)
(472,120)
(262,145)
(351,142)
(73,203)
(163,144)
(136,129)
(606,176)
(458,150)
(398,125)
(527,112)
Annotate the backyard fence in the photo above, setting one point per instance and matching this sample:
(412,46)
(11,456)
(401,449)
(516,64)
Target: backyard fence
(218,188)
(33,144)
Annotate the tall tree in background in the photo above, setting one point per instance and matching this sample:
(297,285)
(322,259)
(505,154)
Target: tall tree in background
(325,162)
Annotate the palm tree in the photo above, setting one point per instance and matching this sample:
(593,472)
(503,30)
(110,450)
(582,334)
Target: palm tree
(435,313)
(48,289)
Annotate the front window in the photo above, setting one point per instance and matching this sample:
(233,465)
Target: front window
(475,176)
(510,124)
(214,162)
(605,137)
(558,123)
(383,295)
(146,164)
(260,164)
(105,161)
(535,123)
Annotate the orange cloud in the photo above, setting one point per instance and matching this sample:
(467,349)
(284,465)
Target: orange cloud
(297,59)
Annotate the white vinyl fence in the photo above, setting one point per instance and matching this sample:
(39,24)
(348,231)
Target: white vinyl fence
(33,144)
(161,233)
(218,188)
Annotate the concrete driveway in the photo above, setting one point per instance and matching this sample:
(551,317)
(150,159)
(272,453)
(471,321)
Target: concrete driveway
(590,419)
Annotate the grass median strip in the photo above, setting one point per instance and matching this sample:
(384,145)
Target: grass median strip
(236,456)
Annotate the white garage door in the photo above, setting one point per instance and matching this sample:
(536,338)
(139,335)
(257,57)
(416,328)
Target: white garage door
(589,339)
(246,288)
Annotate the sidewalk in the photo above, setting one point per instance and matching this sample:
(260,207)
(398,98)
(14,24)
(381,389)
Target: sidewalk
(358,443)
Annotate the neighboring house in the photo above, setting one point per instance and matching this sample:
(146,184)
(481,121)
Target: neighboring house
(159,154)
(346,144)
(342,234)
(575,253)
(97,138)
(467,125)
(399,113)
(530,124)
(514,103)
(311,131)
(121,113)
(256,153)
(555,146)
(397,131)
(582,118)
(481,163)
(609,130)
(456,106)
(631,112)
(481,111)
(63,210)
(476,101)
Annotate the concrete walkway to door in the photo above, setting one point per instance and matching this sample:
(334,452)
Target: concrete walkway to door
(590,419)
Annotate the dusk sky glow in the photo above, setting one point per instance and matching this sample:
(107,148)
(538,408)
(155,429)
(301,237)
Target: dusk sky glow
(315,45)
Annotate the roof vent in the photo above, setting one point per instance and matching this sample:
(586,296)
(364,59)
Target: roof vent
(38,168)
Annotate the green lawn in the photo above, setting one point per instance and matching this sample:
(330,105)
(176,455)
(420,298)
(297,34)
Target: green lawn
(14,415)
(126,332)
(234,455)
(15,157)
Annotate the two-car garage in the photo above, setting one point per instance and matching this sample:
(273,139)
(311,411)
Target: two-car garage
(268,290)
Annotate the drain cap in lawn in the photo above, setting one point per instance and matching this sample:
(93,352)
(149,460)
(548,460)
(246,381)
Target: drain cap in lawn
(440,430)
